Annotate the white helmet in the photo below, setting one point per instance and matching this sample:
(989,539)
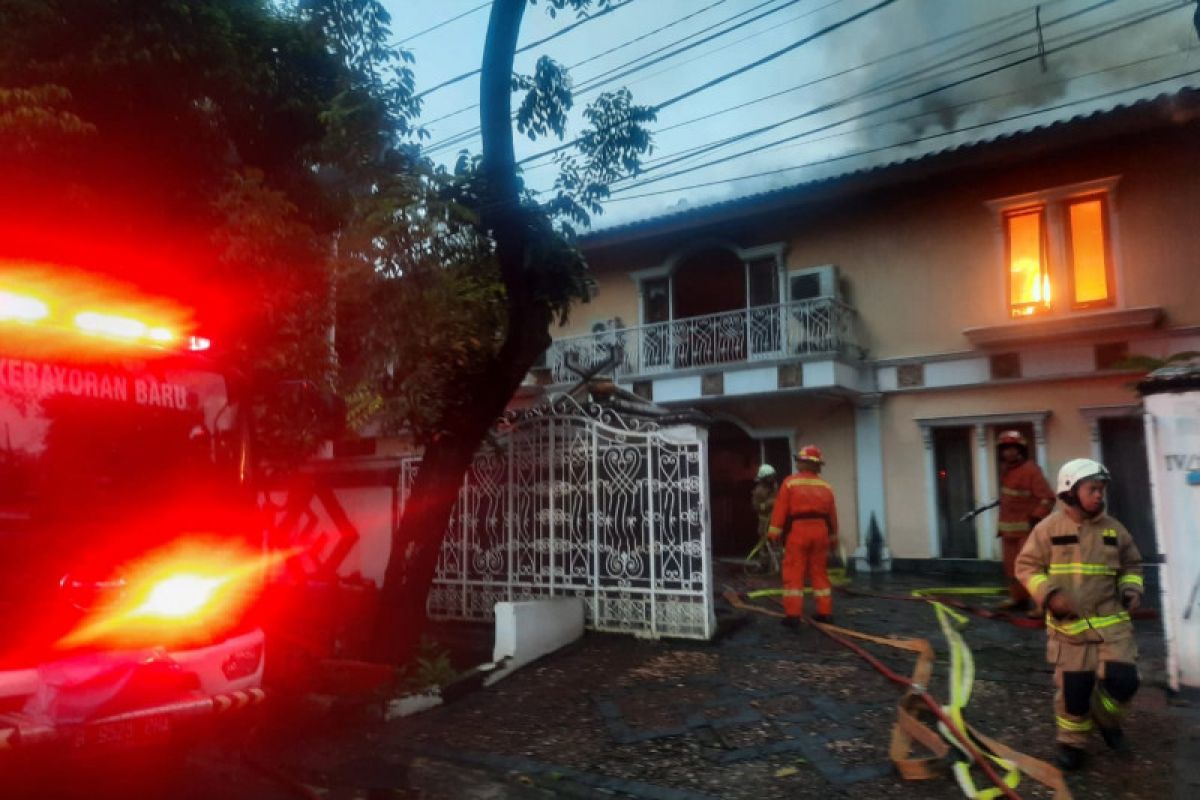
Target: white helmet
(764,472)
(1079,469)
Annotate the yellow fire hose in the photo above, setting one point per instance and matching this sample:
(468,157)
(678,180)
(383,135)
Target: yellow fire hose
(952,730)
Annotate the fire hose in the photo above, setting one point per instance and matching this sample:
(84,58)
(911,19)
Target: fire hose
(952,729)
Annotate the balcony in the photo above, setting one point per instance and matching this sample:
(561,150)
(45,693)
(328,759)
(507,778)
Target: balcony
(824,326)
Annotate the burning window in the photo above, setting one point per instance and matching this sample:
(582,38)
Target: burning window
(1058,254)
(1028,277)
(1091,267)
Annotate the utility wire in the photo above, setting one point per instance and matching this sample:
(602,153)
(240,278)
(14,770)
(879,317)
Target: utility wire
(913,78)
(609,51)
(740,70)
(919,139)
(919,72)
(470,133)
(441,24)
(896,103)
(563,31)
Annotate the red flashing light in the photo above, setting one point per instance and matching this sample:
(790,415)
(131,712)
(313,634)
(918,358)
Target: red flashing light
(22,308)
(110,325)
(179,597)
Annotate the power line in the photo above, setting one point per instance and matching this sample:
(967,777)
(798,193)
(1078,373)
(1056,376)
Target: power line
(632,66)
(918,72)
(441,24)
(457,78)
(740,70)
(914,77)
(609,51)
(468,134)
(917,140)
(893,104)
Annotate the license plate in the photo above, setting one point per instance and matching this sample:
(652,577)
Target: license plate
(124,733)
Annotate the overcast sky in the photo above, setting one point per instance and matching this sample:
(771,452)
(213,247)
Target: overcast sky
(910,77)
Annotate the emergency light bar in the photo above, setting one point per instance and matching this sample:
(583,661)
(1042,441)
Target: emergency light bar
(26,309)
(21,309)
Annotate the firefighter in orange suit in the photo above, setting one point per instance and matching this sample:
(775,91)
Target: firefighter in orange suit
(806,514)
(1025,500)
(1083,567)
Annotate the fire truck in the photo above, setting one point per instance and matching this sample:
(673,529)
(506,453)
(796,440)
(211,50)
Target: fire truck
(131,552)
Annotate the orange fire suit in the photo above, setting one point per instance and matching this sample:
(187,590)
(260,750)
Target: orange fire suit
(806,512)
(1025,500)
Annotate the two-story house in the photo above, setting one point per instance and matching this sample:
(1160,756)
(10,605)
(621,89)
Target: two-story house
(901,316)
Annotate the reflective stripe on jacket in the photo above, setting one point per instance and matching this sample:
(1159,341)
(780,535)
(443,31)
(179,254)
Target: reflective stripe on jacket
(804,502)
(1093,564)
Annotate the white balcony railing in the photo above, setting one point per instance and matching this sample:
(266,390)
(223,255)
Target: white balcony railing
(763,333)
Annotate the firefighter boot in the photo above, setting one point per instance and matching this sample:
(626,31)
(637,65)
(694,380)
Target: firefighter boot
(824,618)
(1114,737)
(1069,758)
(790,622)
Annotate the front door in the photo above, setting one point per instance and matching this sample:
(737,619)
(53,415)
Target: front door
(1123,451)
(955,478)
(733,460)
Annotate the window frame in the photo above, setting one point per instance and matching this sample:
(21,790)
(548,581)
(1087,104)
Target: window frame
(1106,236)
(1039,309)
(1055,202)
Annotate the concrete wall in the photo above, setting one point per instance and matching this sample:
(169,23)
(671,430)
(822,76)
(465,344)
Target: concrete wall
(936,245)
(825,422)
(1067,437)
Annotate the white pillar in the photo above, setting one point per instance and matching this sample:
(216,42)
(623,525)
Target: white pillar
(931,509)
(985,523)
(868,457)
(1039,438)
(1094,436)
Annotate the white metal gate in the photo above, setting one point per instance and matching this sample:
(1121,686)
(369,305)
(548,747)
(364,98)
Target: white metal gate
(576,500)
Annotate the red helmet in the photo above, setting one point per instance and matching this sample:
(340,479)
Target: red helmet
(1012,437)
(810,452)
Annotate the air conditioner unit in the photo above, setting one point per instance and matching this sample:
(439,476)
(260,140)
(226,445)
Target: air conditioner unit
(607,326)
(813,283)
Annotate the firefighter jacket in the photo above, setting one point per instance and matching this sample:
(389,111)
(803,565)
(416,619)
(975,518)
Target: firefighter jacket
(805,502)
(1025,498)
(763,500)
(1093,563)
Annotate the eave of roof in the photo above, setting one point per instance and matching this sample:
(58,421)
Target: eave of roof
(1160,111)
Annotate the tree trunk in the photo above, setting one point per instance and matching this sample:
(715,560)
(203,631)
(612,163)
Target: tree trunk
(417,541)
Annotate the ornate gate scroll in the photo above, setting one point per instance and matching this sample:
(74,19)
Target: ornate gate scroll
(576,500)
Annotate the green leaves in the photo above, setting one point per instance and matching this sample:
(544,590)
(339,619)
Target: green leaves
(547,100)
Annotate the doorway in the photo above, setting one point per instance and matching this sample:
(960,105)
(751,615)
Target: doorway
(733,460)
(955,475)
(1123,451)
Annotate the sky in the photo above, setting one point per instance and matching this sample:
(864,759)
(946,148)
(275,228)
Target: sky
(803,89)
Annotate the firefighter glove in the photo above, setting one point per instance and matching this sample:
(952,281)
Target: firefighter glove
(1059,605)
(1131,600)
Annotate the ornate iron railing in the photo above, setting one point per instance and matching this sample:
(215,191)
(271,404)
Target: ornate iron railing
(573,500)
(786,330)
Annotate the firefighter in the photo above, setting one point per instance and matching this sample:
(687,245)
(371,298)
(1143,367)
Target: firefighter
(762,498)
(806,514)
(1025,500)
(1083,568)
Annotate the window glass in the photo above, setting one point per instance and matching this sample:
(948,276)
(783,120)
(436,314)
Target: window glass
(1028,280)
(764,282)
(656,295)
(1089,252)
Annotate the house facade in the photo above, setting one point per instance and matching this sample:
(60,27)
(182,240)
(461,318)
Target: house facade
(901,317)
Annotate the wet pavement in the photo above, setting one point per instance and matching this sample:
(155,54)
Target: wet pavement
(761,712)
